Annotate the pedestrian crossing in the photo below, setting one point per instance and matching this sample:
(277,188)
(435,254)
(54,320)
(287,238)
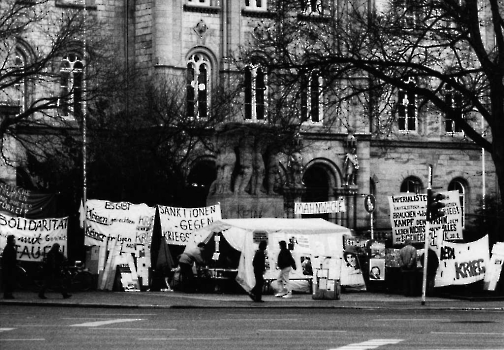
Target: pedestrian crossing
(370,344)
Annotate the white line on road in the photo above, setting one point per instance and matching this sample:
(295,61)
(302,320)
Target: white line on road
(370,344)
(6,329)
(413,319)
(256,319)
(24,339)
(101,323)
(136,329)
(179,338)
(468,333)
(302,330)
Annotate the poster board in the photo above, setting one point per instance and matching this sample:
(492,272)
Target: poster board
(408,217)
(34,237)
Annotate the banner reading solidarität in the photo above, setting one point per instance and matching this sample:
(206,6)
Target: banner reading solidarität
(178,224)
(34,237)
(130,224)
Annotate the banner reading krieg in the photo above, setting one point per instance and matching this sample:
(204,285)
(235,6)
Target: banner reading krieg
(408,216)
(130,224)
(34,237)
(462,263)
(178,224)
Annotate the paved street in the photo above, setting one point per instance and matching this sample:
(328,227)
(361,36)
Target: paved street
(54,327)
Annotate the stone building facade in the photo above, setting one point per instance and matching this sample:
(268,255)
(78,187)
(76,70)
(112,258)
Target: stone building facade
(165,37)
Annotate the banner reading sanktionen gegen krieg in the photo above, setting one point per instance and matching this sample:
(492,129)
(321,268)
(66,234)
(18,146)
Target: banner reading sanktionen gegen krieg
(408,216)
(34,237)
(178,224)
(462,263)
(129,224)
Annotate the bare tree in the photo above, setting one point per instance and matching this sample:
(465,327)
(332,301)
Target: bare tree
(48,72)
(447,48)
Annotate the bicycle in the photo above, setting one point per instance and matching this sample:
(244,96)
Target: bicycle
(76,278)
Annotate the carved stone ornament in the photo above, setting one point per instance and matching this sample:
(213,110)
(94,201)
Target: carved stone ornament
(200,28)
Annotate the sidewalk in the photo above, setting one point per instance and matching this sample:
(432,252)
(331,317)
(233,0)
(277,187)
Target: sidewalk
(167,300)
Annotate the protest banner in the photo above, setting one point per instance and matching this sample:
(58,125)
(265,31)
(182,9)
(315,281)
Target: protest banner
(462,263)
(313,208)
(130,224)
(494,268)
(178,224)
(34,237)
(20,202)
(408,216)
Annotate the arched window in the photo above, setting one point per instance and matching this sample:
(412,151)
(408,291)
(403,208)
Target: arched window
(255,93)
(198,86)
(459,185)
(71,80)
(21,88)
(406,108)
(453,100)
(411,185)
(311,97)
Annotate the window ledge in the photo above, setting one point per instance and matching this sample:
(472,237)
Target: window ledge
(201,9)
(258,13)
(307,17)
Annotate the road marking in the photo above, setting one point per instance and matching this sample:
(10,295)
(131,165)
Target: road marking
(6,329)
(101,323)
(370,344)
(468,333)
(256,319)
(24,339)
(180,338)
(302,330)
(413,319)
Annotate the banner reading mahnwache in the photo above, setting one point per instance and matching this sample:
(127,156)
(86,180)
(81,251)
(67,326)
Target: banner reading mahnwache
(407,218)
(178,224)
(130,224)
(34,237)
(462,263)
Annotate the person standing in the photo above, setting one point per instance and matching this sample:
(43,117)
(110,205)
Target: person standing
(53,268)
(186,262)
(9,262)
(285,262)
(259,264)
(408,262)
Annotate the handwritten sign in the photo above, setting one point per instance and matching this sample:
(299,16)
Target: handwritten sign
(408,217)
(462,263)
(34,237)
(178,224)
(128,223)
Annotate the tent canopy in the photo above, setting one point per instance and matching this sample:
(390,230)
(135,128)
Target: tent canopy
(311,237)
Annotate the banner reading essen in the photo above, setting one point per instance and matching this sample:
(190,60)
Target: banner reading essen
(34,237)
(129,224)
(462,263)
(178,224)
(407,218)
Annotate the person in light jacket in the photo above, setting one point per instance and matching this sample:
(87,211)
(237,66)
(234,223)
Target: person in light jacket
(285,263)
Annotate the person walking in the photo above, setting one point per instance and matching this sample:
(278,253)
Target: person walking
(285,262)
(259,264)
(53,268)
(186,262)
(408,263)
(9,263)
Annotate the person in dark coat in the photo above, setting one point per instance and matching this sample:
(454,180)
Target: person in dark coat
(53,268)
(285,263)
(9,263)
(259,264)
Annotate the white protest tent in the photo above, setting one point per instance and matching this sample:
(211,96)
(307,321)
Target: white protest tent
(309,237)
